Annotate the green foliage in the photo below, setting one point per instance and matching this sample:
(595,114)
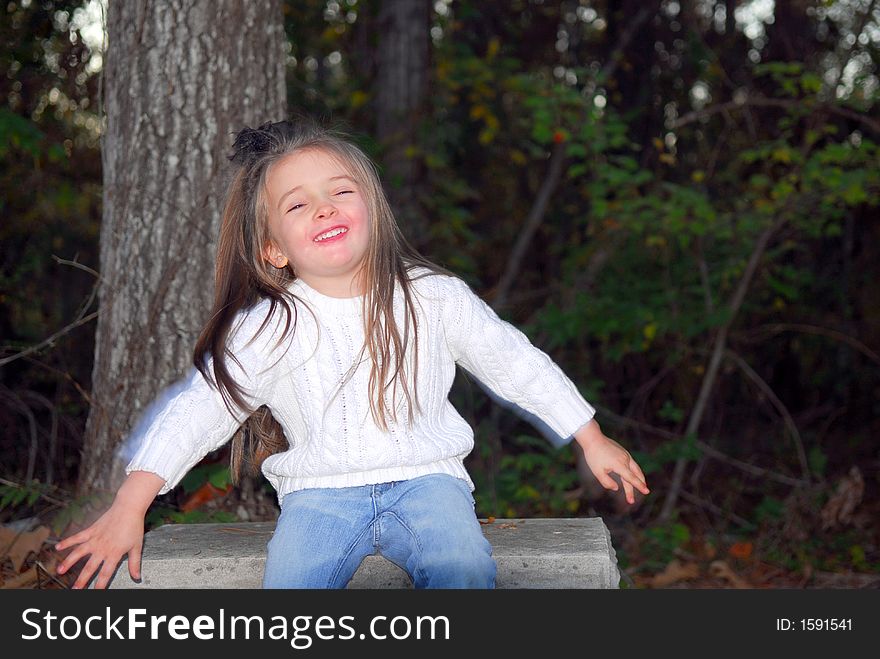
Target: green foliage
(667,453)
(217,474)
(791,78)
(15,495)
(78,508)
(16,132)
(770,509)
(159,515)
(670,412)
(818,461)
(535,475)
(661,542)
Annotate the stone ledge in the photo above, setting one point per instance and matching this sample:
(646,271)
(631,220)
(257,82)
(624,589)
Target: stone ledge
(530,553)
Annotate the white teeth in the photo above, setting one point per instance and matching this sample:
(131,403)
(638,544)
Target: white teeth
(330,234)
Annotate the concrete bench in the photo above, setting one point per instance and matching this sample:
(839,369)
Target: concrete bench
(530,553)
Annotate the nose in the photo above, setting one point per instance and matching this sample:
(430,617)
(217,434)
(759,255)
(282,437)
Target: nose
(325,210)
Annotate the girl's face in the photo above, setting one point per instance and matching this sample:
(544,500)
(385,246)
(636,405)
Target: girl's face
(318,221)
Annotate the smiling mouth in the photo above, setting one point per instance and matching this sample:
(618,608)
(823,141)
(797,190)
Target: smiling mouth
(335,232)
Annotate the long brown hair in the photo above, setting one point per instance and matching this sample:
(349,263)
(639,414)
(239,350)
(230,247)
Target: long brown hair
(243,278)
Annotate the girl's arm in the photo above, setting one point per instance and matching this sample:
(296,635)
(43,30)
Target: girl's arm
(195,420)
(189,424)
(138,491)
(504,359)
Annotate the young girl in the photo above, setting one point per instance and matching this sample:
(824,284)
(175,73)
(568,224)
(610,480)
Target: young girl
(325,316)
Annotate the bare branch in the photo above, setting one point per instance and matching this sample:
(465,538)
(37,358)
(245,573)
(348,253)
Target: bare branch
(80,319)
(822,331)
(19,486)
(554,172)
(779,405)
(713,367)
(696,115)
(708,505)
(50,340)
(708,449)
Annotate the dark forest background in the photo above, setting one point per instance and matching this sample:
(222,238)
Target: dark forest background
(677,200)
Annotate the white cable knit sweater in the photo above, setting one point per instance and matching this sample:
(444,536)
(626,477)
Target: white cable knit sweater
(333,439)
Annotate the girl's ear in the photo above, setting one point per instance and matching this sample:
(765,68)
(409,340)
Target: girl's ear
(274,256)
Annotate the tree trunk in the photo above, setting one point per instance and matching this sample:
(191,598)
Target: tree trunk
(181,77)
(401,91)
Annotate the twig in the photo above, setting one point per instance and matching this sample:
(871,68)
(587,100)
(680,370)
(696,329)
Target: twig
(42,568)
(50,340)
(533,221)
(80,320)
(780,406)
(758,101)
(77,264)
(53,432)
(25,409)
(64,374)
(822,331)
(687,496)
(715,359)
(9,483)
(708,449)
(554,173)
(94,293)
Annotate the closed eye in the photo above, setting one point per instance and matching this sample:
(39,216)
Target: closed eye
(293,208)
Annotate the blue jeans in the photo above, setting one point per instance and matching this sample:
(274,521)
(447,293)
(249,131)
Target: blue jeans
(425,525)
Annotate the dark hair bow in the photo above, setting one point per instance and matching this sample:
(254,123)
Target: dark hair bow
(251,142)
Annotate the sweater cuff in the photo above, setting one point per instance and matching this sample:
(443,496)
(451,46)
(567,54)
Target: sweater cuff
(568,415)
(167,463)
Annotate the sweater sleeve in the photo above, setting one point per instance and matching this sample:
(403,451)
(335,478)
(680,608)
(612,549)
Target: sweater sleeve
(190,418)
(502,358)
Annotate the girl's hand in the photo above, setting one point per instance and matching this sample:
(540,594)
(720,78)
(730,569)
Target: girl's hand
(117,532)
(603,455)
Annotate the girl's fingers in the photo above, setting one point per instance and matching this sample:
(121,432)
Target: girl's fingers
(628,489)
(633,473)
(134,562)
(607,482)
(72,558)
(106,573)
(633,478)
(638,471)
(86,575)
(74,539)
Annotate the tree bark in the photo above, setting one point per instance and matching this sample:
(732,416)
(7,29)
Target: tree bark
(401,91)
(181,77)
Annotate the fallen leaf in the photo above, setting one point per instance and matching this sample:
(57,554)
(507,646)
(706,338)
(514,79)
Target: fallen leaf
(675,571)
(20,580)
(203,495)
(722,570)
(839,509)
(741,550)
(17,546)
